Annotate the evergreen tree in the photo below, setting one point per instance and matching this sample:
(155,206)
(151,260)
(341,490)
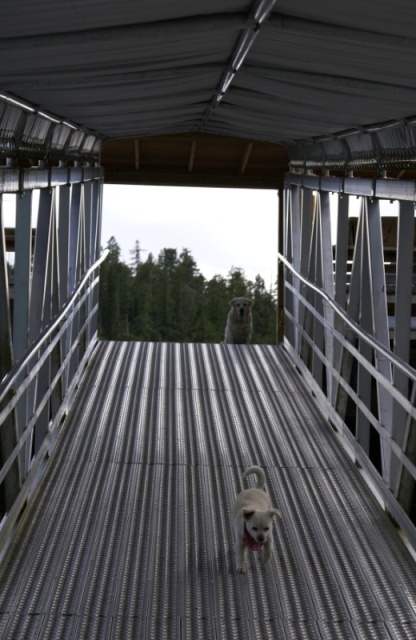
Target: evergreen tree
(264,313)
(216,308)
(237,285)
(114,295)
(135,257)
(170,300)
(188,288)
(144,320)
(164,299)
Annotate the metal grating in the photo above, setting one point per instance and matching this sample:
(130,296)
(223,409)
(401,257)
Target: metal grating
(128,534)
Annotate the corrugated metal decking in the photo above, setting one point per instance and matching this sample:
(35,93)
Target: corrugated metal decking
(128,535)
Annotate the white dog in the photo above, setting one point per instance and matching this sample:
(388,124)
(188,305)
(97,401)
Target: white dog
(239,322)
(252,516)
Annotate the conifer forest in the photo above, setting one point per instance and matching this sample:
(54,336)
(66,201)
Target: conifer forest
(167,299)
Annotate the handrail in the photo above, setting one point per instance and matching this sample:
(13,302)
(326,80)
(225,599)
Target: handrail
(400,364)
(16,370)
(17,393)
(41,415)
(28,429)
(406,404)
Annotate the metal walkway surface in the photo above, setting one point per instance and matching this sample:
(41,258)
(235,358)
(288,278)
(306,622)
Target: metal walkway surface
(128,535)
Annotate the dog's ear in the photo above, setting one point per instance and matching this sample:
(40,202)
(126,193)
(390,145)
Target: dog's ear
(250,303)
(232,302)
(275,512)
(247,513)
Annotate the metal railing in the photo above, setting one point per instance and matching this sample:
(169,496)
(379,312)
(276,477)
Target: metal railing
(349,386)
(36,393)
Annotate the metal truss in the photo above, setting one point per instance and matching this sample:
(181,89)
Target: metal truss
(29,133)
(348,319)
(381,147)
(48,314)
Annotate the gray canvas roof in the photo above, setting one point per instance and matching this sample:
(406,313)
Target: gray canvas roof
(274,71)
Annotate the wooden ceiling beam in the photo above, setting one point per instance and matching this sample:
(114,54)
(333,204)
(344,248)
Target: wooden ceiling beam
(137,154)
(246,157)
(192,156)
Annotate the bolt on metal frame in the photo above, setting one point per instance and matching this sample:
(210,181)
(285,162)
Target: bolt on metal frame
(340,327)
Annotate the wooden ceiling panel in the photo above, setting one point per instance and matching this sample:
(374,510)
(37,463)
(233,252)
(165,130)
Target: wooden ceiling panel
(195,159)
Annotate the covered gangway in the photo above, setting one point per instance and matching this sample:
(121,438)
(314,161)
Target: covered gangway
(119,462)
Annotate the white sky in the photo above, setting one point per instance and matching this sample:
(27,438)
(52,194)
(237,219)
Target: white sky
(222,228)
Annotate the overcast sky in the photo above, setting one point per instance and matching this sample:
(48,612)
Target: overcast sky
(222,228)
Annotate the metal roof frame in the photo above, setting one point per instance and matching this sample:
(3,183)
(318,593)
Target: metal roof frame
(335,90)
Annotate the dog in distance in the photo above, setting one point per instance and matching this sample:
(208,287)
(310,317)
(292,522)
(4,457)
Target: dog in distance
(239,322)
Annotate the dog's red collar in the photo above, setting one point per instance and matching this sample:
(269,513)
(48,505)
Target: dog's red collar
(250,542)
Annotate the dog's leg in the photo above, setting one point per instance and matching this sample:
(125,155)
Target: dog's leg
(268,548)
(240,549)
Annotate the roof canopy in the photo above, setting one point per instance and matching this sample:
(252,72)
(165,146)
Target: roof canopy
(332,85)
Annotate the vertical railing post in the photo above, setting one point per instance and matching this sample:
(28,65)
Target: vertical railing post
(280,324)
(307,211)
(95,247)
(22,282)
(327,283)
(40,308)
(341,262)
(353,308)
(288,253)
(402,482)
(381,326)
(22,269)
(73,237)
(292,239)
(73,264)
(366,319)
(63,241)
(8,435)
(39,293)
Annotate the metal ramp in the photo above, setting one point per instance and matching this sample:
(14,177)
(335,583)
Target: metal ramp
(128,534)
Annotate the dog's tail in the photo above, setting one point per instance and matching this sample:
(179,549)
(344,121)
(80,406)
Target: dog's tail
(261,478)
